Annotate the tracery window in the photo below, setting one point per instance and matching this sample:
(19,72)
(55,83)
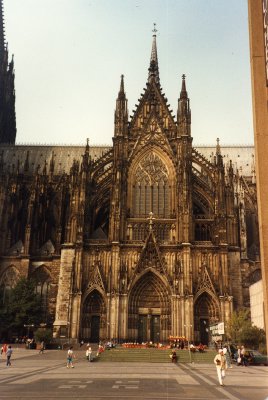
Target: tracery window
(151,189)
(8,281)
(42,280)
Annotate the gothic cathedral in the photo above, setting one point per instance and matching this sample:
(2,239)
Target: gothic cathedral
(146,239)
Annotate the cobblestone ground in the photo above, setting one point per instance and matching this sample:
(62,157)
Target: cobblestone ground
(45,376)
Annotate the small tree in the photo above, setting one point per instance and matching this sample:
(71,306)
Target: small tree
(24,307)
(239,329)
(239,321)
(253,337)
(43,335)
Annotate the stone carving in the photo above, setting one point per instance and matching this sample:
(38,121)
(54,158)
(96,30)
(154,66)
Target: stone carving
(151,169)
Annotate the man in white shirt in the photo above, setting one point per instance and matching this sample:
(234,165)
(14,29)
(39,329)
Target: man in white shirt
(220,362)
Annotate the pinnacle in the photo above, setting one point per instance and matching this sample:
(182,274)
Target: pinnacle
(153,68)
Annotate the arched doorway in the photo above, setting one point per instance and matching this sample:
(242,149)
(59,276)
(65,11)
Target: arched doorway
(93,317)
(206,312)
(149,310)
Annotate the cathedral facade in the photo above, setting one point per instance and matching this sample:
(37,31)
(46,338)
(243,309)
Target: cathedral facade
(148,238)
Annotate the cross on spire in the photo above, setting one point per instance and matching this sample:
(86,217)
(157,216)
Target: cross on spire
(153,69)
(154,30)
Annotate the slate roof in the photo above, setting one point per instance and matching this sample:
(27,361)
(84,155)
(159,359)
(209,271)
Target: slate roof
(242,156)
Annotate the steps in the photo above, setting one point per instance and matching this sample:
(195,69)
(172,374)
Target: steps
(121,354)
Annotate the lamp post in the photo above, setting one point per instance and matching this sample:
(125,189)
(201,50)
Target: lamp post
(28,326)
(190,355)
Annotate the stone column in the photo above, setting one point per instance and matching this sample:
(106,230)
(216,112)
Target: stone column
(62,318)
(123,317)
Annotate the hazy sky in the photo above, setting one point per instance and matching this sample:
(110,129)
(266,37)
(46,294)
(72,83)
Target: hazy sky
(69,55)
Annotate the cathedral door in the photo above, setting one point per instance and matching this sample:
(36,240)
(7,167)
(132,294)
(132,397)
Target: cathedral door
(204,331)
(155,328)
(95,329)
(93,317)
(148,300)
(142,329)
(206,310)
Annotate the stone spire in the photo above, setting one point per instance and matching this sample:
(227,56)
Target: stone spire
(7,89)
(183,94)
(2,32)
(121,112)
(184,111)
(153,69)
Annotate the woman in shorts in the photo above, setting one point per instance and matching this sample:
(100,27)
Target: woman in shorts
(70,356)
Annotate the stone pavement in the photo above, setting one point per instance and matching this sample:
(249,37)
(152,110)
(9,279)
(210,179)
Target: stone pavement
(45,377)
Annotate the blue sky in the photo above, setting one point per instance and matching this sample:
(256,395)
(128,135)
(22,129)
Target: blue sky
(69,56)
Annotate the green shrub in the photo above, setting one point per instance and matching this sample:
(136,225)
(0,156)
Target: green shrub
(43,335)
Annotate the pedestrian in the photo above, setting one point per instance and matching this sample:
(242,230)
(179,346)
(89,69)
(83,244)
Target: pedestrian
(239,358)
(228,357)
(244,360)
(70,357)
(220,362)
(174,357)
(42,347)
(8,354)
(4,349)
(89,353)
(100,349)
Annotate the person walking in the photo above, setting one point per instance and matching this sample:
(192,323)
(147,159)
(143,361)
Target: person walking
(220,362)
(70,357)
(228,357)
(89,353)
(244,360)
(8,354)
(4,349)
(42,347)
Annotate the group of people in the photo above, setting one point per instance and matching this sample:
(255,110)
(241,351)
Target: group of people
(242,358)
(7,352)
(71,355)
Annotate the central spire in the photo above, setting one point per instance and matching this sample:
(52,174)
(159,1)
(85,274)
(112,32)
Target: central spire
(153,69)
(2,30)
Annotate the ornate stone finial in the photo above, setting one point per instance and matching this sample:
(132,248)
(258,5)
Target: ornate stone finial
(218,147)
(153,68)
(151,219)
(183,94)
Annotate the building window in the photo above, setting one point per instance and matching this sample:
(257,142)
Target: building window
(8,281)
(151,188)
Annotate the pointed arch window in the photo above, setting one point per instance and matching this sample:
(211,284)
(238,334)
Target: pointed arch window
(42,281)
(8,281)
(151,188)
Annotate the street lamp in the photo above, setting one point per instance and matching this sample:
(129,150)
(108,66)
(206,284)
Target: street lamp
(28,326)
(190,355)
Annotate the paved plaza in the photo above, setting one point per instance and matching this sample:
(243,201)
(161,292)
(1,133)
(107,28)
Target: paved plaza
(45,376)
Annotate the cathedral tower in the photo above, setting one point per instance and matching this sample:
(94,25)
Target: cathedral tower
(7,89)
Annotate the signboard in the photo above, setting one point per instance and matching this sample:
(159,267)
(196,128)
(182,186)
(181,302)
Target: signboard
(217,329)
(221,328)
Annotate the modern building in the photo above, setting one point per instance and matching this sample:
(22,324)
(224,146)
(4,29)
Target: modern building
(256,304)
(146,239)
(258,35)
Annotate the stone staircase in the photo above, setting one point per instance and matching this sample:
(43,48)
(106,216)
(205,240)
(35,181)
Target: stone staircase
(121,354)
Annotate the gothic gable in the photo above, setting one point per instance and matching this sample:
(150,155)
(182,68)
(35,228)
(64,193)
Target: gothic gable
(152,100)
(204,283)
(150,257)
(96,278)
(152,135)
